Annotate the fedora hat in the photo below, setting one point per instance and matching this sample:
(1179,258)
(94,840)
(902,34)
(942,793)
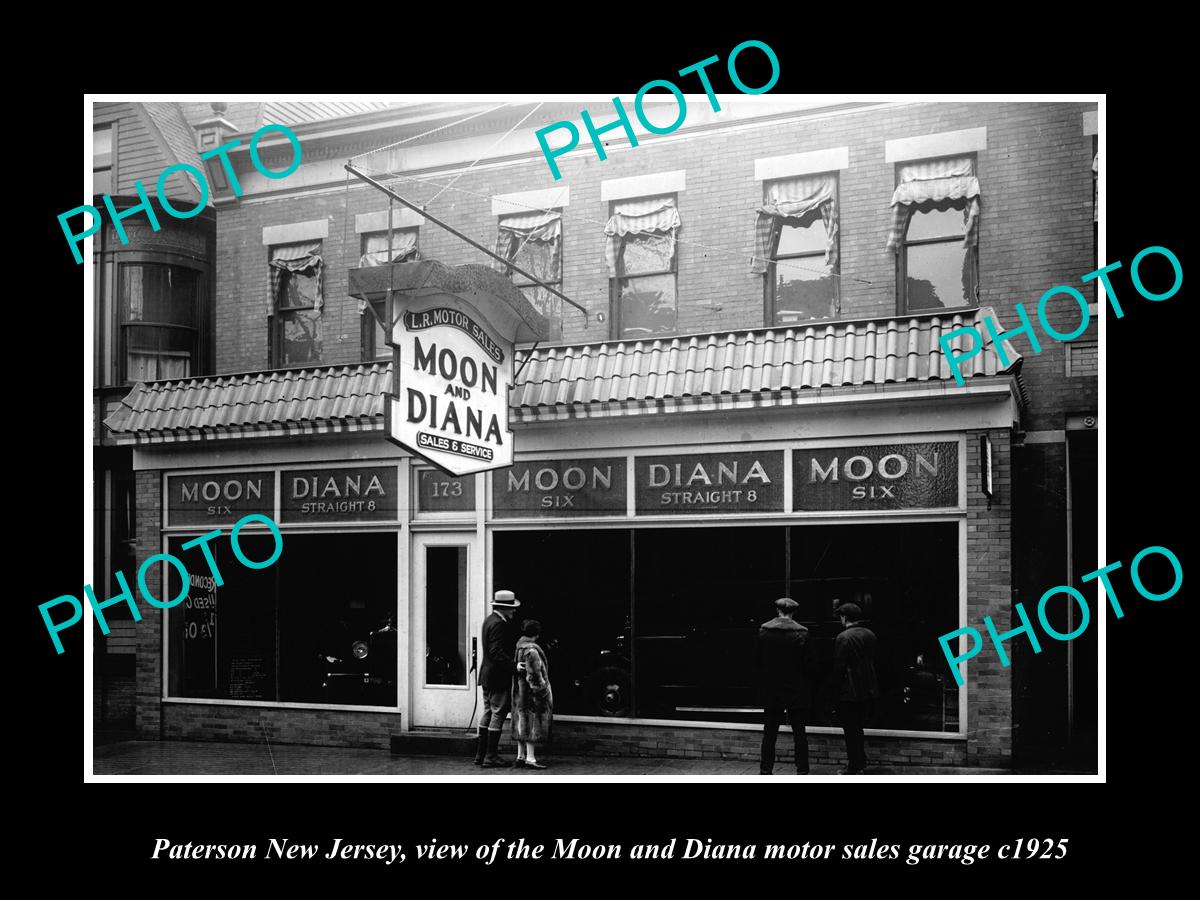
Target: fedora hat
(505,600)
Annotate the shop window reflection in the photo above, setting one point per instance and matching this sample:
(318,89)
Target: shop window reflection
(576,583)
(905,580)
(681,644)
(297,632)
(701,594)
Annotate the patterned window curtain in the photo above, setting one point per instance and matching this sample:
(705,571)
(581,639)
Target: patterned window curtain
(514,232)
(655,215)
(404,247)
(938,184)
(796,202)
(302,258)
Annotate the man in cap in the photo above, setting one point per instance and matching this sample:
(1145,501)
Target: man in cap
(781,662)
(855,687)
(495,678)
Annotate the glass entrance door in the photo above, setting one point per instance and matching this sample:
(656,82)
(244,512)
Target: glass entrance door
(442,596)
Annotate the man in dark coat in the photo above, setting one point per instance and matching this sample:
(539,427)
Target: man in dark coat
(781,661)
(499,641)
(854,684)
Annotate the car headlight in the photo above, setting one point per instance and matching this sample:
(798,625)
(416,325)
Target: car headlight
(360,649)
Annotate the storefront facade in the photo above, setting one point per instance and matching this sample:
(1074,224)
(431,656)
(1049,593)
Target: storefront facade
(648,525)
(749,295)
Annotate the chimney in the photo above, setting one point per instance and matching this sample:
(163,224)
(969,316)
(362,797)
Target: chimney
(212,132)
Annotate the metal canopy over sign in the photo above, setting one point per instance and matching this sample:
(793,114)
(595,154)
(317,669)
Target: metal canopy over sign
(453,333)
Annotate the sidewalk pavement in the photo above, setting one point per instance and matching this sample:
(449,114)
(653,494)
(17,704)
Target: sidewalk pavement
(129,757)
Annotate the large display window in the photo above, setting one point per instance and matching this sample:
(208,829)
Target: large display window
(905,580)
(577,584)
(661,623)
(318,626)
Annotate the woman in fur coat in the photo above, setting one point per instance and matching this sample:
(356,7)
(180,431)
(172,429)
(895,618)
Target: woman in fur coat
(532,701)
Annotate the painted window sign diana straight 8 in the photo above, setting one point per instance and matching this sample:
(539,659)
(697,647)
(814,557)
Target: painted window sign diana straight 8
(710,482)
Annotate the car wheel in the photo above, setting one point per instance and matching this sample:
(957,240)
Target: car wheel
(608,692)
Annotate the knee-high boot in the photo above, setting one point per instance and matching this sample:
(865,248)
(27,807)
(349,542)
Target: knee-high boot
(482,748)
(493,760)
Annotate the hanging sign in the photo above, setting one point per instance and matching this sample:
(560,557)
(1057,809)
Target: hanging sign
(453,331)
(455,372)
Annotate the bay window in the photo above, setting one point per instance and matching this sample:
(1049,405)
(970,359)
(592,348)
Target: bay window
(159,321)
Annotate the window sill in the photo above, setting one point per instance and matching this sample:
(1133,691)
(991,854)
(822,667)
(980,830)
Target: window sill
(751,726)
(947,310)
(273,704)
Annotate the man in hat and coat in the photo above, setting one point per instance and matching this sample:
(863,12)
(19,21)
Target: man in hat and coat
(496,672)
(854,685)
(781,662)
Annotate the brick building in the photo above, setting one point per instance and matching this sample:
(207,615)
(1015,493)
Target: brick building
(763,288)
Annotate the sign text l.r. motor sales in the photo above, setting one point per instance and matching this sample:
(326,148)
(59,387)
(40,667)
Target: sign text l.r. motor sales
(431,318)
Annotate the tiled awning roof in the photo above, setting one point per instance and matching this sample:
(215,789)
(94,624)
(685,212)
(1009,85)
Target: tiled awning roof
(760,367)
(762,361)
(276,403)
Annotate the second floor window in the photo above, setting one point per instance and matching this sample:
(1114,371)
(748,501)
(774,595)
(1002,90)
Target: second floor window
(375,253)
(375,247)
(374,338)
(796,248)
(641,254)
(160,313)
(935,228)
(534,242)
(295,304)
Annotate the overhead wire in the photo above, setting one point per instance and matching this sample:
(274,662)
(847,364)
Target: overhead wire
(430,131)
(496,144)
(448,125)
